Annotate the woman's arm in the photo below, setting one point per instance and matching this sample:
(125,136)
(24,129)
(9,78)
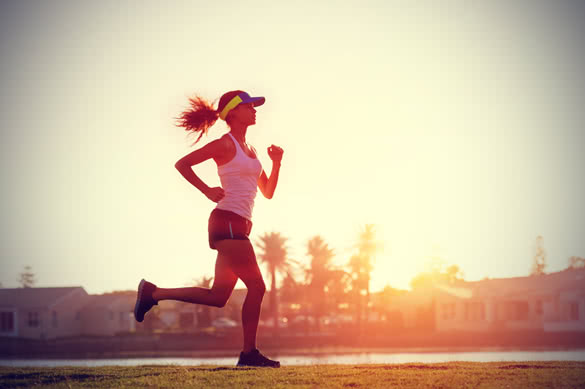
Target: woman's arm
(184,166)
(266,184)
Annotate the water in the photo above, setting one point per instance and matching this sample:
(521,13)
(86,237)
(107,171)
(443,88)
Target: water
(350,359)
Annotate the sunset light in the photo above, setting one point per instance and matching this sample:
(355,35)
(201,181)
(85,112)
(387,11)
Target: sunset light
(454,130)
(366,193)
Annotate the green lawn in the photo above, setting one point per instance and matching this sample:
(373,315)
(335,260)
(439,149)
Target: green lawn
(522,375)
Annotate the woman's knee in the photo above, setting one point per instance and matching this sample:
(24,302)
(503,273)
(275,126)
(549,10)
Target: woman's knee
(257,286)
(219,303)
(219,299)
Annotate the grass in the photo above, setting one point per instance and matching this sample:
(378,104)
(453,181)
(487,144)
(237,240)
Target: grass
(525,375)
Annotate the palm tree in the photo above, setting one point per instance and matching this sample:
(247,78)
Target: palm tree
(290,290)
(338,287)
(274,253)
(361,266)
(320,273)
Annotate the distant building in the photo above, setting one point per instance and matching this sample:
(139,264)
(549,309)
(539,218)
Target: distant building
(407,310)
(552,302)
(108,314)
(48,313)
(41,313)
(176,316)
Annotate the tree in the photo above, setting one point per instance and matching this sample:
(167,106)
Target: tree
(361,266)
(338,288)
(290,290)
(576,262)
(274,253)
(539,263)
(27,278)
(439,273)
(319,274)
(453,274)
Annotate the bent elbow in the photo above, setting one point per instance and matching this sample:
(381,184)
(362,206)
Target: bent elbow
(266,195)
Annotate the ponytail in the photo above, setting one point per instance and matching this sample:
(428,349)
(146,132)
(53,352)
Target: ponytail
(199,118)
(202,115)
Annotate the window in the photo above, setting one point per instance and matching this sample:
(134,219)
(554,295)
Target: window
(111,315)
(6,321)
(574,310)
(54,319)
(518,310)
(33,319)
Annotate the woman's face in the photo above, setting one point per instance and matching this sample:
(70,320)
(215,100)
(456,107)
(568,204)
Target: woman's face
(244,114)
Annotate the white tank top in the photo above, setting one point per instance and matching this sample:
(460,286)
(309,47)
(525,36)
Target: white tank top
(239,180)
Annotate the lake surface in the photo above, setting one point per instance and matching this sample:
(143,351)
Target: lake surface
(354,358)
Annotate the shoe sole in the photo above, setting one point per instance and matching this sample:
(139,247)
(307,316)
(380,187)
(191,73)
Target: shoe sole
(140,286)
(274,367)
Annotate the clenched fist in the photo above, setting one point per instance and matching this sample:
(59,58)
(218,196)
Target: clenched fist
(275,153)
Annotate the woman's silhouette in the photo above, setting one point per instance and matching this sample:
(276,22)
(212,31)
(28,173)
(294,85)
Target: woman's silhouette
(230,222)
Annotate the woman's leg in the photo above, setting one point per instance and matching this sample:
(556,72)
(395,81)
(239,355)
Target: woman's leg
(242,261)
(223,285)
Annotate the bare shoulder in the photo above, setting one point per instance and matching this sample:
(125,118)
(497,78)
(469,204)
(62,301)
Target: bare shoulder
(223,149)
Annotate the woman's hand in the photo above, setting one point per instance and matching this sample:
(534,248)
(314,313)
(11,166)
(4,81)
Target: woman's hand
(215,194)
(275,153)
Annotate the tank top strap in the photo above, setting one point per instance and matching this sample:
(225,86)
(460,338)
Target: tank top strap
(238,147)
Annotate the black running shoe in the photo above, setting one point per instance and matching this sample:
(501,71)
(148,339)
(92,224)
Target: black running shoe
(254,358)
(144,300)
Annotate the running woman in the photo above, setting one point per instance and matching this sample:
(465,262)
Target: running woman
(230,223)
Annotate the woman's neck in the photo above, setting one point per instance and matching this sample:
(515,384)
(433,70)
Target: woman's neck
(239,132)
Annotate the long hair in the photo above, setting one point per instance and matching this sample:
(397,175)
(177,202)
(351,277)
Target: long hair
(201,115)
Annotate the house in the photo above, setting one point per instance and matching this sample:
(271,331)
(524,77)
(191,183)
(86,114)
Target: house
(170,316)
(176,316)
(108,314)
(411,310)
(41,313)
(551,302)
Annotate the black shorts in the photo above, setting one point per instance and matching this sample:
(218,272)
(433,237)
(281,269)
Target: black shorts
(227,225)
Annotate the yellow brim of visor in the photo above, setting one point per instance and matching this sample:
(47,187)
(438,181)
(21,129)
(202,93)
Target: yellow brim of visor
(231,105)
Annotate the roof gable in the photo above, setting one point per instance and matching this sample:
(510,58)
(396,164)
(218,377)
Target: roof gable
(37,297)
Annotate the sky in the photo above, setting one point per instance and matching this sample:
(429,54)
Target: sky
(455,127)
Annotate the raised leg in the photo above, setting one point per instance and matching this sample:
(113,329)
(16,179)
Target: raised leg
(217,296)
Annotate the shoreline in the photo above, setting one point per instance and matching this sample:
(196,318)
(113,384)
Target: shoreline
(180,345)
(288,352)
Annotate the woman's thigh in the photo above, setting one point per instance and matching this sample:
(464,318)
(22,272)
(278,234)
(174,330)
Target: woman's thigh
(239,256)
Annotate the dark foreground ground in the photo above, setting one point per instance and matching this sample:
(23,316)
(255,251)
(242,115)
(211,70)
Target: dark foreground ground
(526,375)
